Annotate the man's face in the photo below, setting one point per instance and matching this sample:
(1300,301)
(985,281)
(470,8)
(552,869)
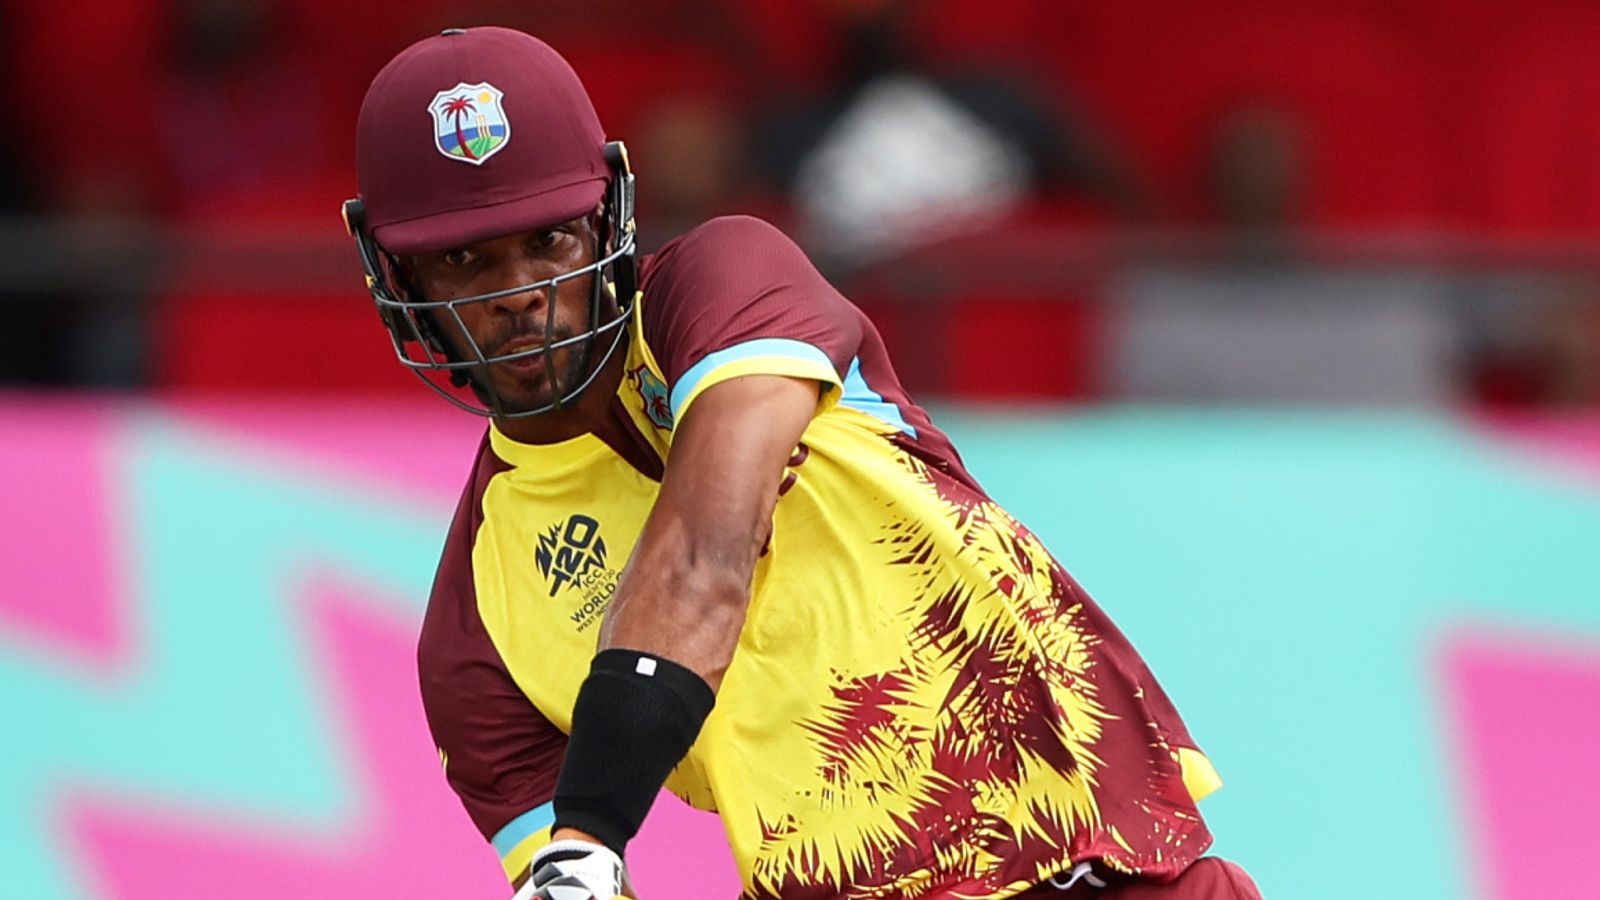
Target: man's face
(517,322)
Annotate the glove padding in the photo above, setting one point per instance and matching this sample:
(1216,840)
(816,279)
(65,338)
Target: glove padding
(574,870)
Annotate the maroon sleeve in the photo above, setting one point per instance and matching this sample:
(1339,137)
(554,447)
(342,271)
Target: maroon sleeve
(737,279)
(501,754)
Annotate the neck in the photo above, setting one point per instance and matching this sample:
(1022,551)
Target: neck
(584,416)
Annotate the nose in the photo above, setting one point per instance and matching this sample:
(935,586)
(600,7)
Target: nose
(517,275)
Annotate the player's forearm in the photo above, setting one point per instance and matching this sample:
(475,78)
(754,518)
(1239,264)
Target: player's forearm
(685,591)
(685,596)
(678,610)
(667,639)
(642,705)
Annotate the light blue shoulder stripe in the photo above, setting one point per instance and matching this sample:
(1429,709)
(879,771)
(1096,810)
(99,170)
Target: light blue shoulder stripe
(759,347)
(860,396)
(517,830)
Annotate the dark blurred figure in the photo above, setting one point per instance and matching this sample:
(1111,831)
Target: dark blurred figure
(1258,178)
(237,113)
(76,263)
(17,182)
(692,146)
(899,150)
(82,71)
(33,320)
(1534,342)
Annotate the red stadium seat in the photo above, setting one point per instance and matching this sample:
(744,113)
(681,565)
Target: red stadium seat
(625,80)
(1025,348)
(1537,132)
(966,32)
(300,342)
(992,347)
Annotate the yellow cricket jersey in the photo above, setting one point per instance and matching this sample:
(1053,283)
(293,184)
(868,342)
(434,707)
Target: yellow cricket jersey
(922,702)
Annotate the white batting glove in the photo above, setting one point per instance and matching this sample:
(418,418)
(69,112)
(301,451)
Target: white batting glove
(574,870)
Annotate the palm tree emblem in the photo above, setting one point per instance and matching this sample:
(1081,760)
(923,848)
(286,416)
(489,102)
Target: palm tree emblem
(471,114)
(458,107)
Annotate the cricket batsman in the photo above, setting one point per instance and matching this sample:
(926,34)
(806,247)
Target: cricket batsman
(709,543)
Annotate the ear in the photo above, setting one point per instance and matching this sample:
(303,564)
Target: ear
(405,274)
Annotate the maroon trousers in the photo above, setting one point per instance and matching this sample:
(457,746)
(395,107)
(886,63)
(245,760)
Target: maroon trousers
(1210,878)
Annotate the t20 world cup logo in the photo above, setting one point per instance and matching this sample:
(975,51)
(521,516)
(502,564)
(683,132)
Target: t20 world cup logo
(571,552)
(469,122)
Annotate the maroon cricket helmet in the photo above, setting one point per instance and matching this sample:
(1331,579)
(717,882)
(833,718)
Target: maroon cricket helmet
(474,134)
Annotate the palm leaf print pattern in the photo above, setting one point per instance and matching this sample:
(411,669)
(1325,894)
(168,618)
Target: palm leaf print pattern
(981,742)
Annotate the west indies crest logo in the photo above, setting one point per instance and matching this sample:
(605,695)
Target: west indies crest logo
(654,393)
(469,122)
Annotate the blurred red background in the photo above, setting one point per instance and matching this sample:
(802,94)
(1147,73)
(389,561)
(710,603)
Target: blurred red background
(175,169)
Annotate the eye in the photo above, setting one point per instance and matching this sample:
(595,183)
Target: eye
(459,257)
(547,238)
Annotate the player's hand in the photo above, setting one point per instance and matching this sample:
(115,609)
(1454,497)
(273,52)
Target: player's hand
(574,870)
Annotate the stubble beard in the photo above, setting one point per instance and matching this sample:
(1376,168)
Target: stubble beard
(520,393)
